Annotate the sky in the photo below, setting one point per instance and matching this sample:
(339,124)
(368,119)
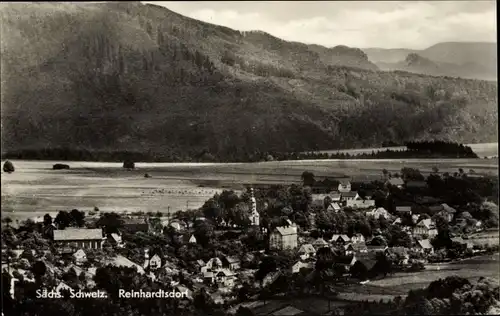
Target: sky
(362,24)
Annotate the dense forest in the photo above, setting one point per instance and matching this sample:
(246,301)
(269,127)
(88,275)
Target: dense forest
(132,77)
(433,149)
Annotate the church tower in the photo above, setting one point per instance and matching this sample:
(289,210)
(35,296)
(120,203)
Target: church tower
(254,215)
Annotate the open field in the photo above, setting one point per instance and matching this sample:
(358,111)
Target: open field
(35,188)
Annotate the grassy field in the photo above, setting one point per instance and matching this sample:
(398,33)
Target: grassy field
(35,188)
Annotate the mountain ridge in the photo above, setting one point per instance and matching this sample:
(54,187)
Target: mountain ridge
(129,76)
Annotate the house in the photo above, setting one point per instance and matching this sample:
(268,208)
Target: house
(178,226)
(225,277)
(231,263)
(307,250)
(376,249)
(357,238)
(395,182)
(319,243)
(414,218)
(79,237)
(347,261)
(270,278)
(360,204)
(349,196)
(300,264)
(344,186)
(135,225)
(189,239)
(340,239)
(62,287)
(434,209)
(121,261)
(80,257)
(400,253)
(448,212)
(283,238)
(425,246)
(415,184)
(376,213)
(425,227)
(336,196)
(403,210)
(355,248)
(154,263)
(212,265)
(333,207)
(397,221)
(464,243)
(115,240)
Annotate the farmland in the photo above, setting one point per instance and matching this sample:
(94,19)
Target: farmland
(35,189)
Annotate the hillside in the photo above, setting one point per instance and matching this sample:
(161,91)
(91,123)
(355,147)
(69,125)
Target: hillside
(134,77)
(465,60)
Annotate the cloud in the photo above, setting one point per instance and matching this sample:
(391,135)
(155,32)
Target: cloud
(370,24)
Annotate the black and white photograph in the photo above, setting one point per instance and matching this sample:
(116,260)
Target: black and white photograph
(249,158)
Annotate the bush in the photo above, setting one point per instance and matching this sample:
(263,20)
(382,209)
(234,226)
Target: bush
(60,166)
(8,167)
(128,164)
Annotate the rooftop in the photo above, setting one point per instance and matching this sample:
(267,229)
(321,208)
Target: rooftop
(78,234)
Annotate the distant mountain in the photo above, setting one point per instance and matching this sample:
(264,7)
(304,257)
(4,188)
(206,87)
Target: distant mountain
(466,59)
(134,77)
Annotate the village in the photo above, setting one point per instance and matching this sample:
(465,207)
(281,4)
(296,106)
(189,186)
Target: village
(259,245)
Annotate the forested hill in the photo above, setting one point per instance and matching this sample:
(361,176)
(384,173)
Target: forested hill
(141,78)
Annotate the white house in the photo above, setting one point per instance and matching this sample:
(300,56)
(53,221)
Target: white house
(319,243)
(334,207)
(425,246)
(344,186)
(340,239)
(155,262)
(80,257)
(360,204)
(212,265)
(299,265)
(425,227)
(306,251)
(357,238)
(225,277)
(349,196)
(379,212)
(283,238)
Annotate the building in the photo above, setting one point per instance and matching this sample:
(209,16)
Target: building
(350,249)
(448,212)
(283,238)
(379,212)
(360,204)
(395,182)
(357,238)
(254,215)
(212,265)
(135,225)
(424,246)
(340,239)
(307,251)
(80,257)
(403,210)
(300,265)
(319,243)
(400,253)
(349,196)
(225,277)
(336,197)
(425,227)
(79,238)
(344,186)
(62,287)
(153,263)
(333,207)
(231,263)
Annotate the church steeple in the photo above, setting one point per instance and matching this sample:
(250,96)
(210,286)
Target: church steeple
(254,215)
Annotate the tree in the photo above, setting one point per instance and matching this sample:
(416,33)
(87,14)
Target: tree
(385,173)
(359,271)
(8,167)
(47,220)
(77,217)
(128,164)
(307,178)
(204,233)
(63,220)
(112,222)
(39,269)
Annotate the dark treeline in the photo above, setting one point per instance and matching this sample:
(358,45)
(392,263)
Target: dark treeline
(433,149)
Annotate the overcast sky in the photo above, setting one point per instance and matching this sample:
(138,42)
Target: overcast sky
(385,24)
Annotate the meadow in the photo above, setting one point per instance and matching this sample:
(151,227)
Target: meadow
(35,189)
